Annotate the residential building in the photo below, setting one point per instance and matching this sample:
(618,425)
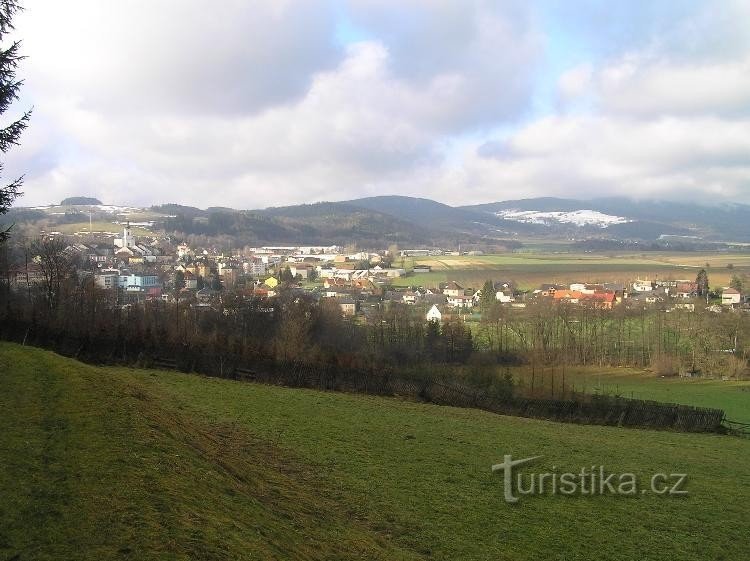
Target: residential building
(453,289)
(461,301)
(731,297)
(434,314)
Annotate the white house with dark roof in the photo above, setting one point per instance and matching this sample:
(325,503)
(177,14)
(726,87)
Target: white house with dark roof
(434,314)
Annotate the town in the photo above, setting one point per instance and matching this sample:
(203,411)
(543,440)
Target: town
(138,269)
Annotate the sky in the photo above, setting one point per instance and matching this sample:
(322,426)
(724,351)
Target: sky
(250,104)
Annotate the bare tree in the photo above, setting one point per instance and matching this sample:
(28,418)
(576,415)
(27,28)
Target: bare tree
(55,265)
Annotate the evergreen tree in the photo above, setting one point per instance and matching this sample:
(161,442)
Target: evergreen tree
(702,281)
(487,296)
(285,275)
(9,88)
(432,342)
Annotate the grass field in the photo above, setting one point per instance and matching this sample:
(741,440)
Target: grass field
(531,269)
(731,396)
(116,463)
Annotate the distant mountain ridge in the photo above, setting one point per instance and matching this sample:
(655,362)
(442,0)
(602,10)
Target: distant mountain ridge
(646,219)
(393,219)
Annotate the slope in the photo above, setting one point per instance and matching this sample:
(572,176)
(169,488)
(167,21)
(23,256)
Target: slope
(121,463)
(649,218)
(96,466)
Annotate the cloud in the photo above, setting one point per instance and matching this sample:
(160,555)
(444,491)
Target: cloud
(250,104)
(699,158)
(575,82)
(478,56)
(143,57)
(653,88)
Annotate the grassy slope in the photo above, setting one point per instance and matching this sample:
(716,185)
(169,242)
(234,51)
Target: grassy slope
(106,462)
(96,466)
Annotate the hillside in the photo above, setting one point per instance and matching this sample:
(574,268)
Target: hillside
(377,222)
(102,463)
(80,201)
(437,216)
(626,218)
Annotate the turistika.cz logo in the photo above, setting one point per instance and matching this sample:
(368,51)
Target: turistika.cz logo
(589,481)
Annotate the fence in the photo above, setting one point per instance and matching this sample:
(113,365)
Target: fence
(598,410)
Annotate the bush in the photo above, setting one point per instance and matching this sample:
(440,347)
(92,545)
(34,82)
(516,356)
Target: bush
(665,365)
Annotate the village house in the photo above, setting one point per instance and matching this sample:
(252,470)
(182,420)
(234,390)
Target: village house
(686,289)
(107,279)
(504,296)
(301,269)
(643,285)
(434,314)
(254,266)
(453,289)
(410,297)
(348,305)
(601,299)
(548,290)
(731,297)
(461,301)
(569,296)
(229,276)
(191,281)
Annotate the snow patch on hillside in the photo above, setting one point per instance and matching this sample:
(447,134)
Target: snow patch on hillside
(577,217)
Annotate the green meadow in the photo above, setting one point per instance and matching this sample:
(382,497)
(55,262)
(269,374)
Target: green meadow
(119,463)
(733,396)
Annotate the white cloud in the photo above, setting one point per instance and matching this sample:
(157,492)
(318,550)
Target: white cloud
(575,82)
(207,112)
(587,156)
(175,56)
(655,87)
(250,104)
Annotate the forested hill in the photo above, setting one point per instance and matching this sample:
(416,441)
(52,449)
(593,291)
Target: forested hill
(408,221)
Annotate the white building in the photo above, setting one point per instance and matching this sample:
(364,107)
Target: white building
(504,297)
(254,266)
(643,286)
(461,301)
(127,238)
(107,279)
(730,297)
(434,314)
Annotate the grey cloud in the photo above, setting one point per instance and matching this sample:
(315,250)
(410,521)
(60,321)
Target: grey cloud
(486,52)
(172,57)
(252,104)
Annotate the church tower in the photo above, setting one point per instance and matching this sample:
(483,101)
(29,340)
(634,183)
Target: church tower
(127,236)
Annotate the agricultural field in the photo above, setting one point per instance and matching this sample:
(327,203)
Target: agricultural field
(121,463)
(529,270)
